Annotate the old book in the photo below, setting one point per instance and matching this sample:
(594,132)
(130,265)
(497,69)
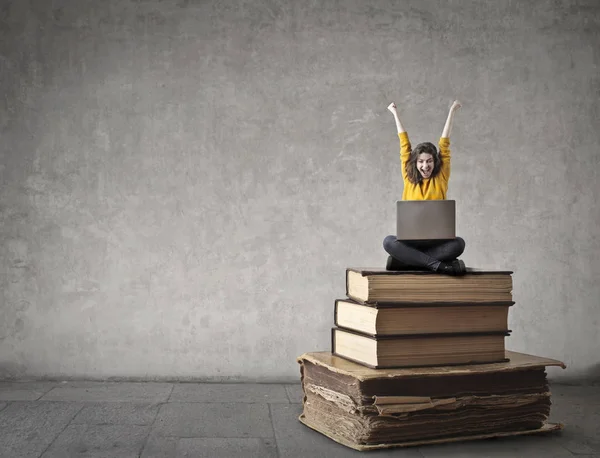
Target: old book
(375,285)
(366,409)
(546,428)
(421,318)
(418,350)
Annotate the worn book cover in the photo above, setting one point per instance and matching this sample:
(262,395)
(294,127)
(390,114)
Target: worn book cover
(367,409)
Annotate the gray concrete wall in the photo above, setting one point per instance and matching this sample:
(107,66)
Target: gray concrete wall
(183,183)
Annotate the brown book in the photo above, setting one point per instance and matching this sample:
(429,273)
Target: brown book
(421,318)
(418,350)
(367,409)
(380,286)
(361,384)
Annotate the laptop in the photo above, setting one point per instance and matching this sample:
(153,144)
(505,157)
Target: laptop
(425,219)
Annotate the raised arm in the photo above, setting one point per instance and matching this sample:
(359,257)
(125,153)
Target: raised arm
(444,143)
(405,147)
(394,111)
(448,126)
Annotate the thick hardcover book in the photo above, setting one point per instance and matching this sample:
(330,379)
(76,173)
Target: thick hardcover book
(361,447)
(366,408)
(380,286)
(418,350)
(421,317)
(516,362)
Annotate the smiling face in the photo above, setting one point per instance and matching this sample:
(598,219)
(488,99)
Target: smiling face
(425,165)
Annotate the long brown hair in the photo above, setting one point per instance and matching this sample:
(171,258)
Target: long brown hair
(412,173)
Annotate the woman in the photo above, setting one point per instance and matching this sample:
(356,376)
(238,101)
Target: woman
(425,172)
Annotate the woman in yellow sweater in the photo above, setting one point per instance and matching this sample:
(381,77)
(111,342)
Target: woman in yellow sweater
(425,172)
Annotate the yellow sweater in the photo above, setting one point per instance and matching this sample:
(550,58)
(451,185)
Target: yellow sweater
(434,188)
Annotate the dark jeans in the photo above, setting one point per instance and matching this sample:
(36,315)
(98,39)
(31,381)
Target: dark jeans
(423,253)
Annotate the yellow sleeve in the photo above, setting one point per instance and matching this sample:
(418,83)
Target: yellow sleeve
(444,145)
(405,150)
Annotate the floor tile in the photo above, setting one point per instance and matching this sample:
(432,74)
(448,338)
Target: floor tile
(24,391)
(110,392)
(160,447)
(590,395)
(99,441)
(117,413)
(573,440)
(174,447)
(27,428)
(232,392)
(581,433)
(213,420)
(226,448)
(295,393)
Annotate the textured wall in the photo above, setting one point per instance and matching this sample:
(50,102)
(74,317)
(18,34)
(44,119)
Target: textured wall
(184,182)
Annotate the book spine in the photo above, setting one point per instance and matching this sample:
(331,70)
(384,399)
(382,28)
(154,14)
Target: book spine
(347,287)
(404,304)
(335,313)
(333,340)
(433,335)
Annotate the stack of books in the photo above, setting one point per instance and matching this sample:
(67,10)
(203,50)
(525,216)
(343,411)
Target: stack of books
(419,357)
(400,319)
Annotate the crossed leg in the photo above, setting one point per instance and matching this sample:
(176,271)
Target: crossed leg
(427,254)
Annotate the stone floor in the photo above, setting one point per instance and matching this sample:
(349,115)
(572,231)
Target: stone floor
(152,420)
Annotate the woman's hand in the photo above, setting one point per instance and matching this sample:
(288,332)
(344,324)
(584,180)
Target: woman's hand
(394,111)
(448,126)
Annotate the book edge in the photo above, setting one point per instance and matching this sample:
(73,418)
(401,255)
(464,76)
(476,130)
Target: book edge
(365,271)
(406,304)
(416,336)
(545,429)
(417,366)
(310,357)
